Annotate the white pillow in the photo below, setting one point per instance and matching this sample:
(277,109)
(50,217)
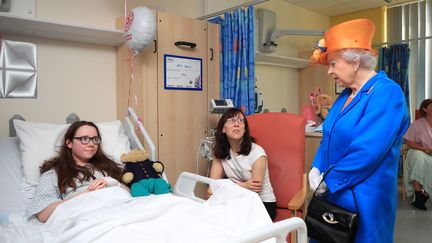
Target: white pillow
(11,197)
(114,139)
(40,141)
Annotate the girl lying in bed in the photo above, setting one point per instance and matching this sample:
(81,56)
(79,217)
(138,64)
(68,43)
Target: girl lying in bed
(80,167)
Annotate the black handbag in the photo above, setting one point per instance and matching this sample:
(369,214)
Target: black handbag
(329,223)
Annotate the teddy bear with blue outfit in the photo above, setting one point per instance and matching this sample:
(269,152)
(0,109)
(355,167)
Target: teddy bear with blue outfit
(143,175)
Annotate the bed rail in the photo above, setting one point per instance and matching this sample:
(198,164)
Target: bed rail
(130,131)
(278,231)
(133,138)
(185,185)
(146,136)
(12,131)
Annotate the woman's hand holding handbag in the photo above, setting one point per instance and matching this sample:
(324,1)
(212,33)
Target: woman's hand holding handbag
(315,177)
(328,222)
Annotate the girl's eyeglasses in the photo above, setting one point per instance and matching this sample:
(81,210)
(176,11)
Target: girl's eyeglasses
(233,120)
(86,139)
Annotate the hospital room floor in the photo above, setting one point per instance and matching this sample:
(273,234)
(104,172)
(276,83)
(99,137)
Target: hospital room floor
(412,225)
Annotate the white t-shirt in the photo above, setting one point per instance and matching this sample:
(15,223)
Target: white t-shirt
(239,167)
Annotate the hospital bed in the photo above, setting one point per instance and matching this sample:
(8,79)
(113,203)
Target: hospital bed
(232,214)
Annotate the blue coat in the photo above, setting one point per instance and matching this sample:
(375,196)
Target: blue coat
(361,145)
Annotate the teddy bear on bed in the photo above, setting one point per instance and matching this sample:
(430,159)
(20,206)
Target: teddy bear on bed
(143,175)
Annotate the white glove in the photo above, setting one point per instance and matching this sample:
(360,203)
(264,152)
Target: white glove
(315,178)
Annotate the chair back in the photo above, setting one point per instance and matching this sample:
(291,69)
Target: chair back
(282,136)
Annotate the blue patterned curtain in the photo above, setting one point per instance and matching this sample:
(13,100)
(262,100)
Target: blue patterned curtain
(238,58)
(394,60)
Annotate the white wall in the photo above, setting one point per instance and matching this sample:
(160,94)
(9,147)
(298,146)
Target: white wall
(72,77)
(76,77)
(279,84)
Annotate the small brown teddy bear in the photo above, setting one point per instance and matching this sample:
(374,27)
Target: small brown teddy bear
(323,104)
(142,174)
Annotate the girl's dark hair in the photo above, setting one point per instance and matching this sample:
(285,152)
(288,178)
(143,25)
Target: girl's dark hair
(424,105)
(66,168)
(221,149)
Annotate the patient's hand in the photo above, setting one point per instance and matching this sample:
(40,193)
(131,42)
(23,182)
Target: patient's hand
(97,184)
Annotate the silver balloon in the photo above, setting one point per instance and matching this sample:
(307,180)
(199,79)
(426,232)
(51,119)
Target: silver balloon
(139,28)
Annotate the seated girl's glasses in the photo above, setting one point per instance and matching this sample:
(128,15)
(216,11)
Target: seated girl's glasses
(233,120)
(86,139)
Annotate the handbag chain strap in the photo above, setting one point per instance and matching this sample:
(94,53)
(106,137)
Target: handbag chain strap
(352,191)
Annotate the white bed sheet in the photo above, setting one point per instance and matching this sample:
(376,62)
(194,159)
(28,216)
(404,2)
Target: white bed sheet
(111,215)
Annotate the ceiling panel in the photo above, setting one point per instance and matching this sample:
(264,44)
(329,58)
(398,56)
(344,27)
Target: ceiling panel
(338,7)
(334,11)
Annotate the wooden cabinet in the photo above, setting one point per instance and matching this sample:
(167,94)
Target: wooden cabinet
(176,119)
(182,114)
(312,143)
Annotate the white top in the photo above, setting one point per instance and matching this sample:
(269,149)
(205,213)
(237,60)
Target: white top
(239,167)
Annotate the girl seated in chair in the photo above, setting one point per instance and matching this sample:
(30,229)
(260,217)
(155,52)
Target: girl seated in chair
(240,159)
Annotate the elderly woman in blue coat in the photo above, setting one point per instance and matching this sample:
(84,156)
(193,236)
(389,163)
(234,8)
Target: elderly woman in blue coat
(362,134)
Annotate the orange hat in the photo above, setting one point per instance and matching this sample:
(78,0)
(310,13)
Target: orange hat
(356,33)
